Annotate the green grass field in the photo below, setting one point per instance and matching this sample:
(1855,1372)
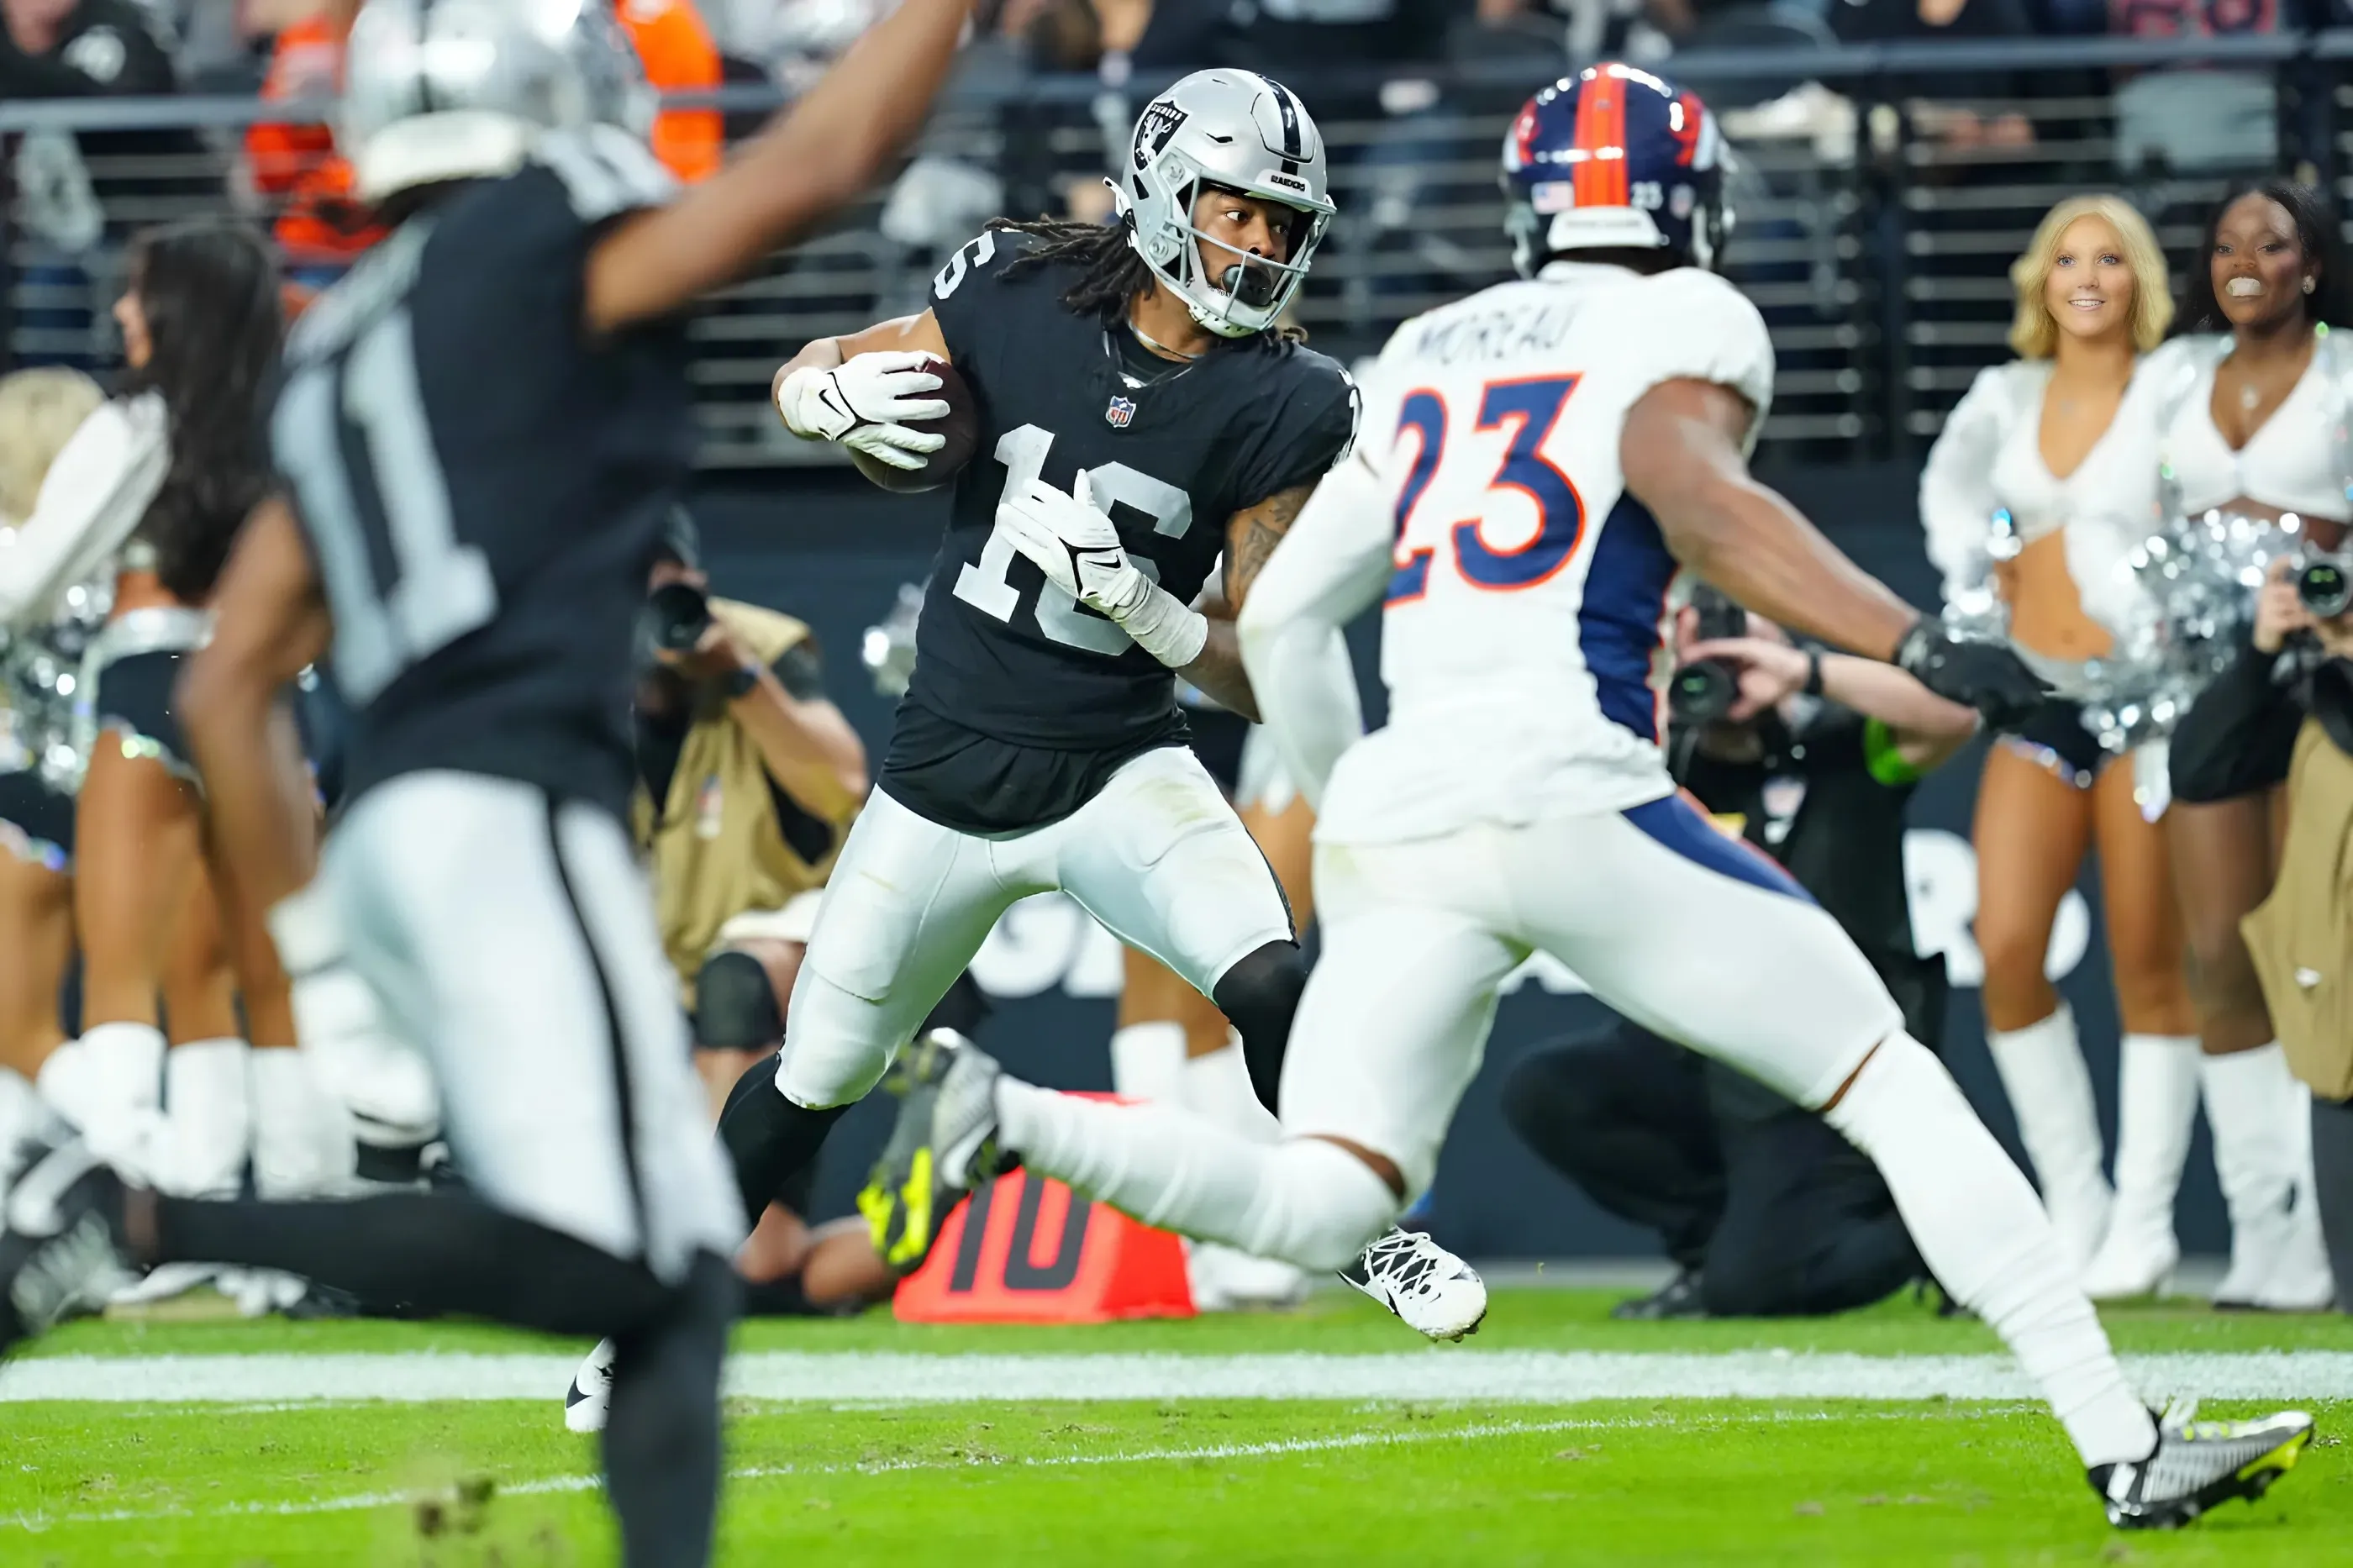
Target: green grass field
(1328,1435)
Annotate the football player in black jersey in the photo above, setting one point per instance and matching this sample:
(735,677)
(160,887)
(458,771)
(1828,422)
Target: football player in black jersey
(1140,413)
(482,429)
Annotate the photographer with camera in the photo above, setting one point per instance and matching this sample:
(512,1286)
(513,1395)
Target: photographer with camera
(2284,709)
(1808,757)
(748,778)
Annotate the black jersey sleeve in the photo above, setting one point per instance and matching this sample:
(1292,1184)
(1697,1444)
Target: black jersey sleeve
(1305,422)
(968,294)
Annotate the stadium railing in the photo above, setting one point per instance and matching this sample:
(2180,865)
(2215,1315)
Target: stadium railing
(1881,196)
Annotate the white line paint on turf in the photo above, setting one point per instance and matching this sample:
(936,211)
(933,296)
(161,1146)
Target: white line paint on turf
(1490,1377)
(1278,1448)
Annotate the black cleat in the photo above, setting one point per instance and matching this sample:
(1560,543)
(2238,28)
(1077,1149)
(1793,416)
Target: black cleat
(2197,1463)
(62,1253)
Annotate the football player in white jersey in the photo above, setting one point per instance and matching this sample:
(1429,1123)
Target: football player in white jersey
(1540,464)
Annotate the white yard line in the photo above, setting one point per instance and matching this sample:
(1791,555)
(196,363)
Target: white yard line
(1489,1377)
(1278,1448)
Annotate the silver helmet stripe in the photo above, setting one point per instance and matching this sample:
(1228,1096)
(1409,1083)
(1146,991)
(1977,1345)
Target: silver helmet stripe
(1289,108)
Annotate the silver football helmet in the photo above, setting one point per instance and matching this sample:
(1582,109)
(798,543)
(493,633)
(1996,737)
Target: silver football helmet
(1237,130)
(454,90)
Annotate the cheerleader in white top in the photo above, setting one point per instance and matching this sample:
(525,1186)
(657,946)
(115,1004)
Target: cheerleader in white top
(2253,408)
(144,501)
(2044,480)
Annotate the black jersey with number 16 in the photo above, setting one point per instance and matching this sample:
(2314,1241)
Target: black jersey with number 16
(482,482)
(1000,652)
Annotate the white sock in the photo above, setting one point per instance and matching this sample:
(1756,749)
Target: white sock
(302,1142)
(1147,1059)
(211,1118)
(112,1072)
(2156,1105)
(1216,1088)
(1985,1237)
(2050,1091)
(1304,1201)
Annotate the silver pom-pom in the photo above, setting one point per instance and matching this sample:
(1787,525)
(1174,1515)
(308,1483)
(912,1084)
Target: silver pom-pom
(2200,574)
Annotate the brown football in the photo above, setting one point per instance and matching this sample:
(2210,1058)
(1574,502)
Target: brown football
(960,425)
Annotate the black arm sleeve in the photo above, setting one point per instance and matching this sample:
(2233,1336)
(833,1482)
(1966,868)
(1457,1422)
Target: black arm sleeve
(800,671)
(1310,426)
(2238,737)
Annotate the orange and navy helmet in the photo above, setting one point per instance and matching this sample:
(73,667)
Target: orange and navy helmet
(1614,158)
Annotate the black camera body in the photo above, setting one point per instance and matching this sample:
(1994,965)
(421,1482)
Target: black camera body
(676,617)
(1704,690)
(2323,585)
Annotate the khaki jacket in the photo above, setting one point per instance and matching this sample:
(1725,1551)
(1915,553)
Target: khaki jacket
(715,849)
(2301,937)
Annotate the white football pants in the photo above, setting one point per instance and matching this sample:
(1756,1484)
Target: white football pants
(1677,927)
(1157,857)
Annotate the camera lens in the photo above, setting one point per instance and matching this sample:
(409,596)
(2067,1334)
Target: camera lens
(679,613)
(2325,588)
(1701,693)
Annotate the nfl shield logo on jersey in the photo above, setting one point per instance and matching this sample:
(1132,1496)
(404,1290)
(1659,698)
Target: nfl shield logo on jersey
(1121,411)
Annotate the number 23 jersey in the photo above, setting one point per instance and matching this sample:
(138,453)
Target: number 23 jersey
(1525,632)
(999,651)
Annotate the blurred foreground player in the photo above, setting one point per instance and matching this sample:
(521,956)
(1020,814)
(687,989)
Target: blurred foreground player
(483,428)
(1140,411)
(1591,424)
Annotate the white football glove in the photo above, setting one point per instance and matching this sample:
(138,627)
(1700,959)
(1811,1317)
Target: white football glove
(863,404)
(1077,546)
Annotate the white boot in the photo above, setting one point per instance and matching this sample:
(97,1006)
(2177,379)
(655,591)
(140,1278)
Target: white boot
(2301,1280)
(2157,1107)
(2050,1091)
(211,1118)
(1216,1088)
(2262,1153)
(113,1071)
(303,1141)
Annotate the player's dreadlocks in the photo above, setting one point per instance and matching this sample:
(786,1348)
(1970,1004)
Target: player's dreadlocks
(1111,272)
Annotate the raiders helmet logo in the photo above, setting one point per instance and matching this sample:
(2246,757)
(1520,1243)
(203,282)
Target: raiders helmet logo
(1159,122)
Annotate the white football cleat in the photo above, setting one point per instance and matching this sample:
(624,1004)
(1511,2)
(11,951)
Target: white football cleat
(1435,1292)
(590,1398)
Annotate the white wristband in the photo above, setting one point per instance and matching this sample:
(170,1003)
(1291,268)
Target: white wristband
(1167,627)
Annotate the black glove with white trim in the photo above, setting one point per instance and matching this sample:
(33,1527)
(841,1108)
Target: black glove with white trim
(1988,675)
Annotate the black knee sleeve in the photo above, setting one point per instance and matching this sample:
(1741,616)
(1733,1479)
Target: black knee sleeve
(769,1140)
(1259,995)
(661,1440)
(735,1005)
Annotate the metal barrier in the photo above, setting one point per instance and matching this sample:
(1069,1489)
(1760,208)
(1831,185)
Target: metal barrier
(1882,193)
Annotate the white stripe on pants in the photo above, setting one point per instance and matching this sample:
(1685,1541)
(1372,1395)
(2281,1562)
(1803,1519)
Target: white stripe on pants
(511,938)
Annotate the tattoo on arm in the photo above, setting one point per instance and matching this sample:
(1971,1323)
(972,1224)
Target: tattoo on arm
(1253,533)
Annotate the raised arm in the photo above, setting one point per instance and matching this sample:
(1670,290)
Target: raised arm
(1683,458)
(813,159)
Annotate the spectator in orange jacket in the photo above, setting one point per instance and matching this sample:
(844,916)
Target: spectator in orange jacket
(321,230)
(678,57)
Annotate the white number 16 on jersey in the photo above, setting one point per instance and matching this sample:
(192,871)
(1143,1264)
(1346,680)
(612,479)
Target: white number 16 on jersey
(985,586)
